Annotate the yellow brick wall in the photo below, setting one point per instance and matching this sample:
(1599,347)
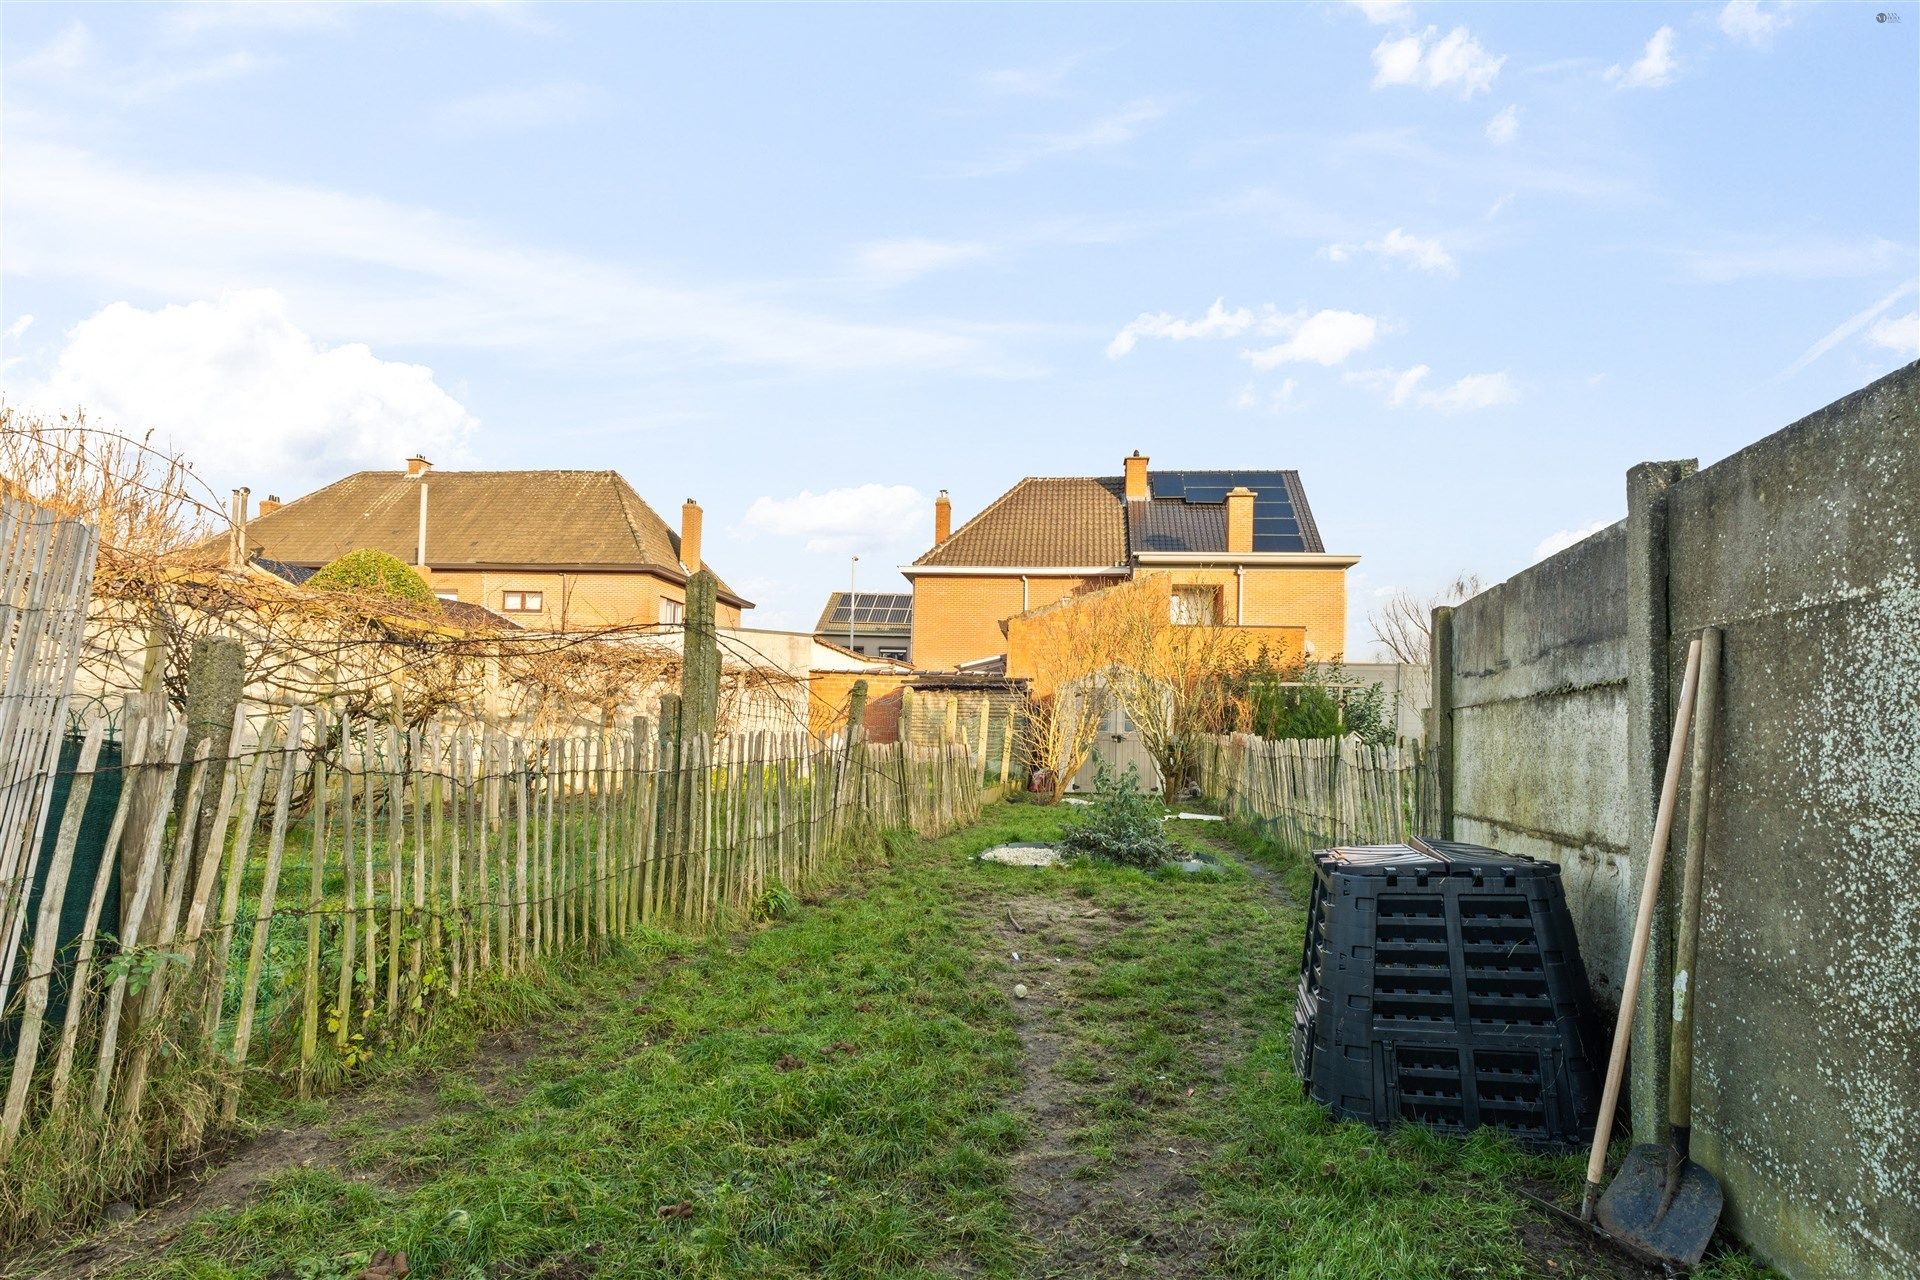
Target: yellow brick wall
(1312,598)
(828,691)
(957,619)
(573,600)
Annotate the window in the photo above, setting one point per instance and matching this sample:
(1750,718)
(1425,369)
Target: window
(900,654)
(450,597)
(521,601)
(1195,606)
(672,611)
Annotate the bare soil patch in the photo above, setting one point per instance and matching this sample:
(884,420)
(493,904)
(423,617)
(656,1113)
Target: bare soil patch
(1136,1217)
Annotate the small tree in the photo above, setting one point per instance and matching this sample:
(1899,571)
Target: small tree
(1402,624)
(1070,648)
(1176,682)
(372,572)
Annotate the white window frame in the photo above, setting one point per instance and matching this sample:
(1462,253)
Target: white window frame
(672,612)
(529,601)
(1180,610)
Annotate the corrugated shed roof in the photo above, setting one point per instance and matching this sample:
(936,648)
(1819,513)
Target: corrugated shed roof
(1050,520)
(572,519)
(1087,521)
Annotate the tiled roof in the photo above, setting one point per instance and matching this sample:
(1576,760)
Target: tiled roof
(1087,521)
(526,519)
(1055,520)
(872,612)
(1171,524)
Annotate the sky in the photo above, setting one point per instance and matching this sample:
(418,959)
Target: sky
(1459,265)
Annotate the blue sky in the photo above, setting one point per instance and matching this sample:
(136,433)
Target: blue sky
(1459,265)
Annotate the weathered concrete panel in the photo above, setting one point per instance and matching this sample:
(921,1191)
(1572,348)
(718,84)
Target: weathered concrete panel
(1539,733)
(1803,548)
(1511,788)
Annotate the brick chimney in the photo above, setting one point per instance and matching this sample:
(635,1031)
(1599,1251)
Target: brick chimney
(942,518)
(1240,519)
(1137,490)
(690,535)
(417,466)
(269,504)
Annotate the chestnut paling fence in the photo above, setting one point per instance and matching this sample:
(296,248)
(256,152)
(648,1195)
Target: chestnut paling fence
(316,898)
(1315,793)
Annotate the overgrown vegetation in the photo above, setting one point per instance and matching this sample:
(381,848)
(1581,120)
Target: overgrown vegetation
(1122,824)
(377,573)
(844,1094)
(1310,700)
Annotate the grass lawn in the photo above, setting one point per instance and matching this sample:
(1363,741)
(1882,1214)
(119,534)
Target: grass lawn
(855,1091)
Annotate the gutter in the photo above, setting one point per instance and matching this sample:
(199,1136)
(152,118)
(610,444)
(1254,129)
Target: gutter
(1012,571)
(1248,559)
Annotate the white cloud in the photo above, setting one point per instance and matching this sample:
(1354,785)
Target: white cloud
(17,329)
(1655,69)
(390,273)
(1043,81)
(1385,13)
(71,63)
(1753,23)
(247,396)
(1278,401)
(1396,386)
(1400,387)
(1505,125)
(1424,252)
(840,521)
(529,107)
(1110,131)
(1554,543)
(1428,60)
(1795,258)
(1898,334)
(1324,338)
(1475,391)
(891,262)
(1218,322)
(1847,328)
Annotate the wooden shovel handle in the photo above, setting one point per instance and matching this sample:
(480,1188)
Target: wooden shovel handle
(1642,929)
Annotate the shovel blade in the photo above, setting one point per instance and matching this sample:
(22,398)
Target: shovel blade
(1671,1222)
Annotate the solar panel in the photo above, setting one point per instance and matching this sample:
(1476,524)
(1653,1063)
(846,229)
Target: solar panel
(1276,527)
(872,608)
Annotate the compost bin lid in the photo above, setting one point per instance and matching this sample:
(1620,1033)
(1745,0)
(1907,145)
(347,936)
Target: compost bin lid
(1425,855)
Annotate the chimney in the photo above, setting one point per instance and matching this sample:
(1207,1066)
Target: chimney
(420,540)
(269,504)
(1240,519)
(942,518)
(1137,490)
(690,535)
(417,466)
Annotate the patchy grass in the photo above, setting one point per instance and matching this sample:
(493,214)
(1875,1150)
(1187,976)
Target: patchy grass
(853,1091)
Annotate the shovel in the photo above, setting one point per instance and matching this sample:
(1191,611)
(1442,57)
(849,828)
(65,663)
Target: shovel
(1642,929)
(1662,1203)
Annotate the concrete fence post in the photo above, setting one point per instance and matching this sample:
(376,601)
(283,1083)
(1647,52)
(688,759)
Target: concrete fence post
(215,675)
(1440,731)
(700,661)
(1649,729)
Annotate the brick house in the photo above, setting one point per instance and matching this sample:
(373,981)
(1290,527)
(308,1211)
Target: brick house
(871,623)
(550,550)
(1237,548)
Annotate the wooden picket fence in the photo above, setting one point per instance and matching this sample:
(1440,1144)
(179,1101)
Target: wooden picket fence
(354,880)
(46,571)
(1316,793)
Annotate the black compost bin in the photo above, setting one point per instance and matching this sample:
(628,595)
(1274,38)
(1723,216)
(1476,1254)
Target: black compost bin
(1441,984)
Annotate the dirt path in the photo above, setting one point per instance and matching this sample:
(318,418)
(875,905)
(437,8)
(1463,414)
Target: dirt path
(1135,1215)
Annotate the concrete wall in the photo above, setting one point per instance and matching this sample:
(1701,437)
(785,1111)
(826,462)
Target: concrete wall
(1805,549)
(1539,696)
(1409,690)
